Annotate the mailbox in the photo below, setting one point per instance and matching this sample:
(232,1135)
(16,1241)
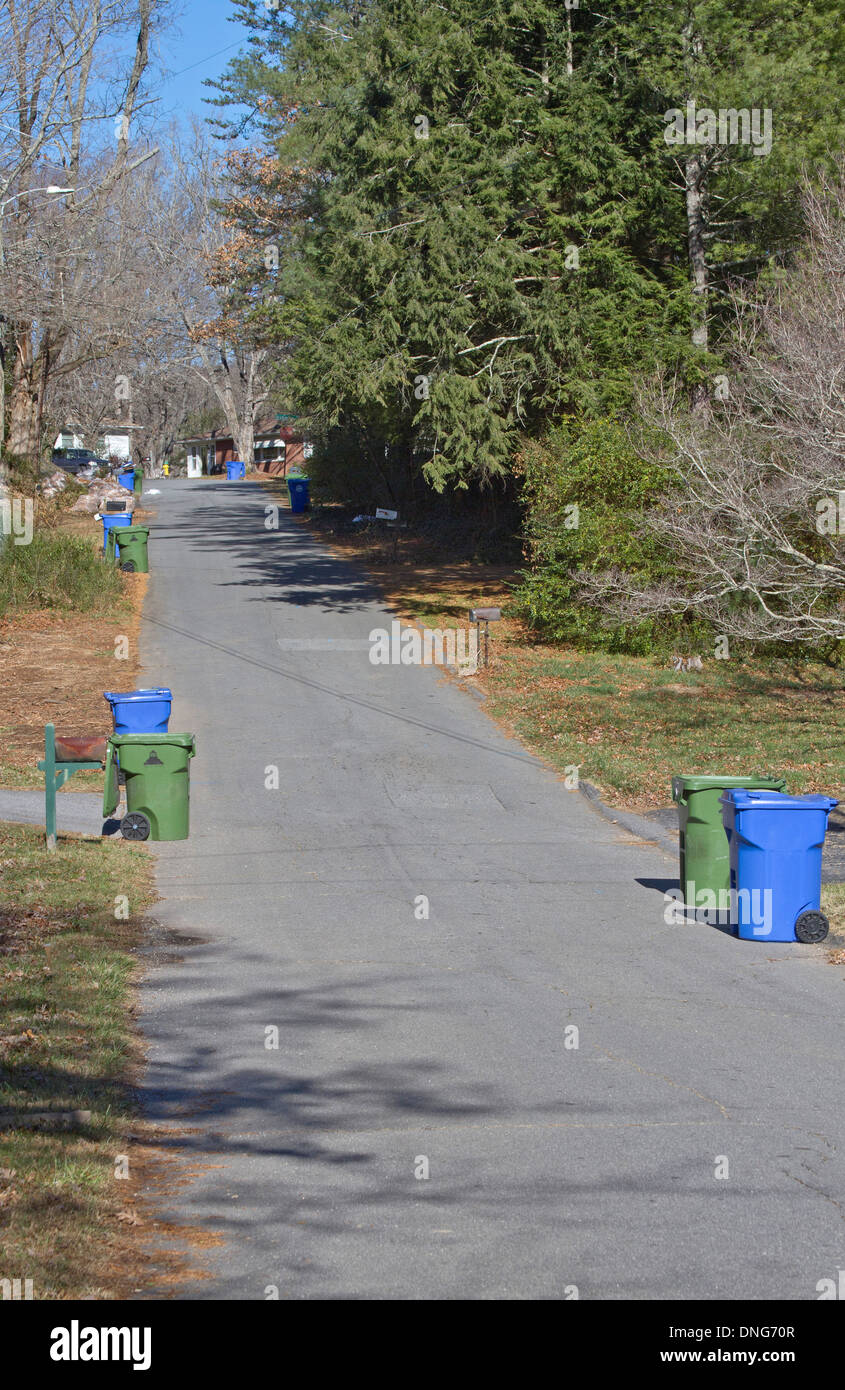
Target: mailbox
(485,616)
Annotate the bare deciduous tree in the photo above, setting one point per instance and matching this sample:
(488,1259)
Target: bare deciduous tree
(188,235)
(68,114)
(756,516)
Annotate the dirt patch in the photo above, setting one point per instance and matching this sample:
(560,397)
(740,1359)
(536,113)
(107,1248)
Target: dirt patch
(143,1253)
(414,574)
(54,668)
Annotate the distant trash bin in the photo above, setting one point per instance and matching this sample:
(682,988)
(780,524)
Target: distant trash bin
(235,470)
(145,711)
(127,478)
(776,863)
(299,493)
(157,768)
(138,482)
(114,519)
(704,854)
(132,549)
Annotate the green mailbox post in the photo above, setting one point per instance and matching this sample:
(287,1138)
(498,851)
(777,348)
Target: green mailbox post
(57,767)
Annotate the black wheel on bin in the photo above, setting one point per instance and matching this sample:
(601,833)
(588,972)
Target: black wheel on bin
(812,927)
(135,826)
(128,566)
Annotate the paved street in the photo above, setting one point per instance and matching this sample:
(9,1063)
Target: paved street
(405,1043)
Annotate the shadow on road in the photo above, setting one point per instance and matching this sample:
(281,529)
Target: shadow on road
(286,559)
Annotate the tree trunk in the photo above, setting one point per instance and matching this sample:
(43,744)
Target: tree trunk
(25,398)
(245,439)
(239,409)
(695,187)
(246,433)
(696,195)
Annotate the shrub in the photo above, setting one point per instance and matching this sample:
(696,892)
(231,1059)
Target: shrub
(585,492)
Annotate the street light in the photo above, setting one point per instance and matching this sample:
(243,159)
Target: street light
(25,192)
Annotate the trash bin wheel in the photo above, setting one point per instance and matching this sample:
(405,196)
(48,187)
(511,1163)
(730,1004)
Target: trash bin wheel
(812,927)
(128,566)
(135,826)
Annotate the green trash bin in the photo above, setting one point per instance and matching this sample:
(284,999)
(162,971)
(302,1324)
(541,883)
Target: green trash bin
(132,546)
(111,548)
(158,784)
(138,482)
(705,853)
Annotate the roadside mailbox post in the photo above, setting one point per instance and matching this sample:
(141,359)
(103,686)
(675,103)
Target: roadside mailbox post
(484,617)
(63,756)
(391,517)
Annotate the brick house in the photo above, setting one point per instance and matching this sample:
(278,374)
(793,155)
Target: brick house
(279,447)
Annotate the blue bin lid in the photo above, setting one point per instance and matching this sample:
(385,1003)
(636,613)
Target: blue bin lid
(160,693)
(744,799)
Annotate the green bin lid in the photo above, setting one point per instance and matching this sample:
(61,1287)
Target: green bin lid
(180,740)
(683,784)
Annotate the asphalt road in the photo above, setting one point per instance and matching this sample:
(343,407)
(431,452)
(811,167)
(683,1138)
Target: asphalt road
(406,1045)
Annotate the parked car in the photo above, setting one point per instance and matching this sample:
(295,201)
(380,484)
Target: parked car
(75,460)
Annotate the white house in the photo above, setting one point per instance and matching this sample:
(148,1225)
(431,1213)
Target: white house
(68,439)
(114,442)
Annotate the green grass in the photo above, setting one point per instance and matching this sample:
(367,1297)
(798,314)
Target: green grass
(56,571)
(66,1043)
(630,723)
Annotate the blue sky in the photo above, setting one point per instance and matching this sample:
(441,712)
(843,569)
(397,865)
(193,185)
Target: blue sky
(191,52)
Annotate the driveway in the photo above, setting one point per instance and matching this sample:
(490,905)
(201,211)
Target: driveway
(324,1044)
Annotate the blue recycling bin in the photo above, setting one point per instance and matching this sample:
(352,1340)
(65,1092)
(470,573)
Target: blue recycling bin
(775,845)
(299,493)
(127,478)
(235,470)
(111,520)
(140,711)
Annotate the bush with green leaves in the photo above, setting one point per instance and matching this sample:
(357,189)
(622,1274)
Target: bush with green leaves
(586,491)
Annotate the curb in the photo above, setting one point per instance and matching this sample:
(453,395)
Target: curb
(640,826)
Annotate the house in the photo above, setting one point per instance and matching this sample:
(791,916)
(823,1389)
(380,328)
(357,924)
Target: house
(279,447)
(114,441)
(117,441)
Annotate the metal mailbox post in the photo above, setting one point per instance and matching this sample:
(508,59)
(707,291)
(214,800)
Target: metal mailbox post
(485,616)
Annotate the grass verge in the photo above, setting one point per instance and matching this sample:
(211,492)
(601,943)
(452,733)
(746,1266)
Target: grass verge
(57,571)
(55,661)
(66,1045)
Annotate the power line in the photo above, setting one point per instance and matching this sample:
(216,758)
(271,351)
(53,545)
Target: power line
(208,57)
